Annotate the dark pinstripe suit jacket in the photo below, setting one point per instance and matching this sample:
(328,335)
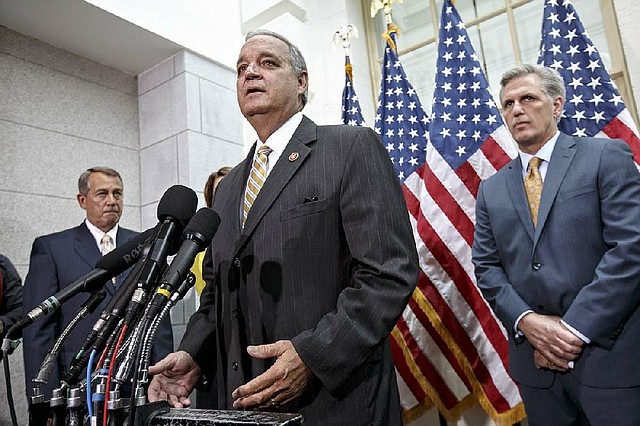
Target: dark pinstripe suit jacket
(327,260)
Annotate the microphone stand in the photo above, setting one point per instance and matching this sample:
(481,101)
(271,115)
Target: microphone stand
(141,368)
(87,308)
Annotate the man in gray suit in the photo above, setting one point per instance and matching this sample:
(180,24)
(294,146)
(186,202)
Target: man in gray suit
(309,274)
(561,269)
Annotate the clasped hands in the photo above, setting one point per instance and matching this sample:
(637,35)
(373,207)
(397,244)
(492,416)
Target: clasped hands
(555,346)
(175,376)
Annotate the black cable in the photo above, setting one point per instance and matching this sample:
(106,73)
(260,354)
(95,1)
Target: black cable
(7,377)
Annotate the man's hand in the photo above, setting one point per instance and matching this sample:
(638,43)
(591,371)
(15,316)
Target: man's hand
(283,382)
(174,377)
(555,344)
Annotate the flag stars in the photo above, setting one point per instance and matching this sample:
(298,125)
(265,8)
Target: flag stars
(616,99)
(573,50)
(576,82)
(595,82)
(593,65)
(596,99)
(556,65)
(574,67)
(555,49)
(571,34)
(461,150)
(598,116)
(578,115)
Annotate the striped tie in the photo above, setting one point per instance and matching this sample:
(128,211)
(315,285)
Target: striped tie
(533,187)
(256,179)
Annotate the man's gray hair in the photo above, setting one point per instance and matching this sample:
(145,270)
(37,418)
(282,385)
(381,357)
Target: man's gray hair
(295,56)
(551,81)
(83,180)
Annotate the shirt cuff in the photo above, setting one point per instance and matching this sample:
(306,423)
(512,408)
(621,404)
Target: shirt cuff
(576,332)
(515,326)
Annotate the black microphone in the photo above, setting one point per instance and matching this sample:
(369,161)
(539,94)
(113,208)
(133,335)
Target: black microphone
(109,266)
(175,209)
(198,235)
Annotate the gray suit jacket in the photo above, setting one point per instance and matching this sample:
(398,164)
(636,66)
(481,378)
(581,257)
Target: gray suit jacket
(582,261)
(326,259)
(56,261)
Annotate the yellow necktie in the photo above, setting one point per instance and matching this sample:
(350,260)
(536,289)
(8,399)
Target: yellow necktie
(533,187)
(256,179)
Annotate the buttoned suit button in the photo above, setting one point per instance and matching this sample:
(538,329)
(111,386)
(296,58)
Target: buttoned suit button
(234,365)
(536,266)
(541,308)
(237,263)
(235,313)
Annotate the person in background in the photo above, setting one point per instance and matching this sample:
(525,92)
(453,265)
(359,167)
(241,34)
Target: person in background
(312,265)
(59,259)
(10,296)
(557,256)
(209,188)
(207,399)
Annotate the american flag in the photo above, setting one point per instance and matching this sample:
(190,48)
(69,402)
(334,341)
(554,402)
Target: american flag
(351,111)
(593,106)
(449,348)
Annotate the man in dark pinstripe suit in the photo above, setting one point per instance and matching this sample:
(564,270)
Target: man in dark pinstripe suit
(303,292)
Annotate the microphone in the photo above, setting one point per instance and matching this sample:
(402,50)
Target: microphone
(198,235)
(109,266)
(175,209)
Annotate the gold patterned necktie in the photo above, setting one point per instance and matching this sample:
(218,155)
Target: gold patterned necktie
(533,187)
(256,179)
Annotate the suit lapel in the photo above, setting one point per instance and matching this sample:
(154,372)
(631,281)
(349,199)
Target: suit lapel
(289,162)
(561,158)
(85,246)
(518,196)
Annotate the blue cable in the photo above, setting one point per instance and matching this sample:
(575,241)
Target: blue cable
(89,404)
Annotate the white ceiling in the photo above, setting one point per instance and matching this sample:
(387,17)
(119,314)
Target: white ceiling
(88,31)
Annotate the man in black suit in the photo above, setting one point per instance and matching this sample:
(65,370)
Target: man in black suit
(59,259)
(306,275)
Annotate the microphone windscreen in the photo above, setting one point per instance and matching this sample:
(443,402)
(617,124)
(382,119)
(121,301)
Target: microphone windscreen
(178,202)
(205,222)
(126,254)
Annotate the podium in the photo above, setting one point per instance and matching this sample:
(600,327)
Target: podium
(197,417)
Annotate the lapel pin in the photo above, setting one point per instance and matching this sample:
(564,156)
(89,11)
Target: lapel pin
(293,156)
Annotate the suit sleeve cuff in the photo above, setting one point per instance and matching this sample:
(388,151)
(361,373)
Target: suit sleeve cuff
(576,332)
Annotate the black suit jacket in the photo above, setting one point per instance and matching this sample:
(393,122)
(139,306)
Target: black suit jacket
(56,261)
(327,260)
